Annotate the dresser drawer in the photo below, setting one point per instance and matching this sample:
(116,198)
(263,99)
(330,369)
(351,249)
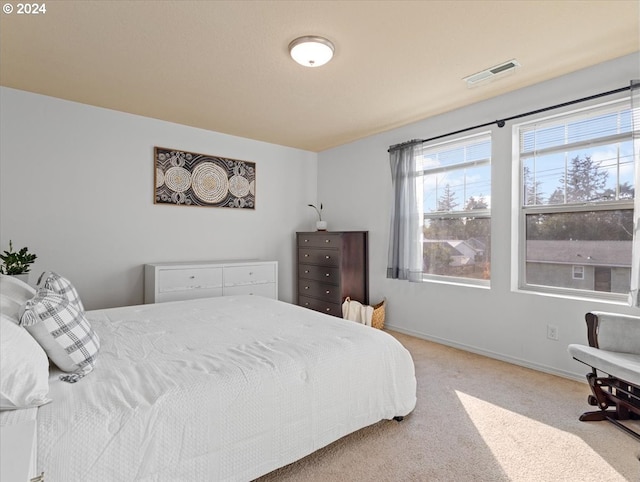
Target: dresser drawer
(319,240)
(326,274)
(189,279)
(188,294)
(315,289)
(324,257)
(334,309)
(250,274)
(268,290)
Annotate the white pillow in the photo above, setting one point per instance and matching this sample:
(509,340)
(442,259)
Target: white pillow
(62,286)
(24,377)
(63,331)
(13,294)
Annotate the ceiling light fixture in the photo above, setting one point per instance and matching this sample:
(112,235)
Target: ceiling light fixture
(311,51)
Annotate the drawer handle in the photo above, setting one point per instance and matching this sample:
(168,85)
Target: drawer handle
(306,271)
(192,277)
(306,287)
(306,240)
(327,257)
(327,275)
(327,292)
(306,255)
(328,309)
(306,304)
(327,240)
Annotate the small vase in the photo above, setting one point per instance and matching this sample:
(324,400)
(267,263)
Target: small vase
(321,225)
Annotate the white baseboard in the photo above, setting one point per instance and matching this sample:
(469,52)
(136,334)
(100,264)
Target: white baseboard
(490,354)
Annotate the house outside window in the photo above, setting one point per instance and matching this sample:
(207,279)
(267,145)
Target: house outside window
(578,272)
(576,175)
(455,180)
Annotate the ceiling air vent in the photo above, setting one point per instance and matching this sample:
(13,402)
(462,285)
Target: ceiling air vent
(491,73)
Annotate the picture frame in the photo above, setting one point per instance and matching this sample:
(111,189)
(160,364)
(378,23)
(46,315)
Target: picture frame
(186,178)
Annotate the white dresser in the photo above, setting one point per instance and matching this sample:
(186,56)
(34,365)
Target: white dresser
(203,279)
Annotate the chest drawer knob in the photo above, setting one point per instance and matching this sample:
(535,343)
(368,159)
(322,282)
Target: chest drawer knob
(306,271)
(306,255)
(328,309)
(327,275)
(306,240)
(327,257)
(327,240)
(192,277)
(306,287)
(327,292)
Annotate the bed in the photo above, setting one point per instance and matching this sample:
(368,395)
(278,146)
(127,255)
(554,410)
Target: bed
(226,388)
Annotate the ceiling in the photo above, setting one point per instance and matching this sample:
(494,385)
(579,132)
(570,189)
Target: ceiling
(224,65)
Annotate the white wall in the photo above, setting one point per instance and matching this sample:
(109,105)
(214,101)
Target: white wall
(355,186)
(77,188)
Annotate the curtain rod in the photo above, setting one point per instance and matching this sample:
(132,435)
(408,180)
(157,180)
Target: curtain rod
(501,122)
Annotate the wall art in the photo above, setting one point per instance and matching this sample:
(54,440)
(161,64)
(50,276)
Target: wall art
(192,179)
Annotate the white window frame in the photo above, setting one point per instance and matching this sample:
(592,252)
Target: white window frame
(518,238)
(577,272)
(477,213)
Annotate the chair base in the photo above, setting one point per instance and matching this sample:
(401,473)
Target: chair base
(612,417)
(622,396)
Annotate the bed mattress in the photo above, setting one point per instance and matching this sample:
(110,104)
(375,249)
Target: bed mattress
(225,388)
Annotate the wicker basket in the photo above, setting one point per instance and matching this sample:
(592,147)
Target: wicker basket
(377,319)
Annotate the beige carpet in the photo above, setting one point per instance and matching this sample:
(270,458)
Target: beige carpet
(478,419)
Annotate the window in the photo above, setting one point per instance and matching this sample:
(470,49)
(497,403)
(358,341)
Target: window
(455,181)
(578,272)
(576,205)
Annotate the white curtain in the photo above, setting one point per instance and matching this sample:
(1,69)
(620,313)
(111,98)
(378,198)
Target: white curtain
(407,219)
(634,295)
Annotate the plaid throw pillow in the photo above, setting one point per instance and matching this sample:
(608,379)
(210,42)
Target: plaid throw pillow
(63,332)
(62,286)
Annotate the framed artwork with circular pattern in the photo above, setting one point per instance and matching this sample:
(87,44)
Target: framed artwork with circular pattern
(192,179)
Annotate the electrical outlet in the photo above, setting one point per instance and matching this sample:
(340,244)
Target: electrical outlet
(552,332)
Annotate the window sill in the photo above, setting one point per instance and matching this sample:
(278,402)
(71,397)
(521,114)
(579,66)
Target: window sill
(457,282)
(612,299)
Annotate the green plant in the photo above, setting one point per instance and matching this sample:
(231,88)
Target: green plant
(16,262)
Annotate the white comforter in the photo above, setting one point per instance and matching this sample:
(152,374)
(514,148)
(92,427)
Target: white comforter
(214,389)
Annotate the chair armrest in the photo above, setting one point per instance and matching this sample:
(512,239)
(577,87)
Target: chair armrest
(592,329)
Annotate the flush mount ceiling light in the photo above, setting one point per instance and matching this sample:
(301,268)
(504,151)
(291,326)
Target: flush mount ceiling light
(311,51)
(491,73)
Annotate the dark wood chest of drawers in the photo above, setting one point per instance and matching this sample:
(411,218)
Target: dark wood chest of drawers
(332,266)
